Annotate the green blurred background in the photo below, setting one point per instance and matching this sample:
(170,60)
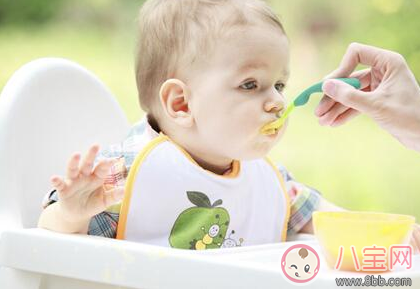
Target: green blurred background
(357,166)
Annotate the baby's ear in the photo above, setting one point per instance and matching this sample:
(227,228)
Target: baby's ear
(174,97)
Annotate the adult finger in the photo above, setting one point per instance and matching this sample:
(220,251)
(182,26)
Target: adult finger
(329,117)
(345,117)
(364,76)
(87,163)
(356,54)
(328,103)
(348,95)
(325,104)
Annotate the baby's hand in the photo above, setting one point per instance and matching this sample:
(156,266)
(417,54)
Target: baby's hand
(415,239)
(81,194)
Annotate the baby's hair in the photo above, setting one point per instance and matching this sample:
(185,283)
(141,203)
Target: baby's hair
(303,253)
(174,34)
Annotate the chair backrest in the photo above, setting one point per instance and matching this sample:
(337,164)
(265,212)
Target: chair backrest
(50,108)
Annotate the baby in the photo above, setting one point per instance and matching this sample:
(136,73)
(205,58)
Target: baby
(210,75)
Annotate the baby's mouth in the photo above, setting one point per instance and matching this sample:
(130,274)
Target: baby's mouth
(297,274)
(270,131)
(274,126)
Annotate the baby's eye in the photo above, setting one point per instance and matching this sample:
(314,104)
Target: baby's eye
(279,86)
(293,266)
(249,85)
(307,267)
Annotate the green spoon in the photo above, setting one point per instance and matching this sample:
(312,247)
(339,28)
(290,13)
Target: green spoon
(303,99)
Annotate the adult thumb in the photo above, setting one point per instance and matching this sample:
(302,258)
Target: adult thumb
(348,95)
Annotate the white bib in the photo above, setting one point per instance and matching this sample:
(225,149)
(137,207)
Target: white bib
(171,201)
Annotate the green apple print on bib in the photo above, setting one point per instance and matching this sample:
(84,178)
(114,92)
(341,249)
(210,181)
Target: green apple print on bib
(201,227)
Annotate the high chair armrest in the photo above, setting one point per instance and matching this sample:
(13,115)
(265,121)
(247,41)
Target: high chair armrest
(301,237)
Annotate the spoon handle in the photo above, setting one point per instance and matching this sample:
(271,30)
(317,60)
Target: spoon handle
(304,96)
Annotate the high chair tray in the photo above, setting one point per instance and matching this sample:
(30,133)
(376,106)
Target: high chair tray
(135,265)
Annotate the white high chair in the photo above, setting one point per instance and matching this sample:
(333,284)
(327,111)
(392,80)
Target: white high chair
(49,109)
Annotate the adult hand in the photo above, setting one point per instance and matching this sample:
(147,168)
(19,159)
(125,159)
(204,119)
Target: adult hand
(389,94)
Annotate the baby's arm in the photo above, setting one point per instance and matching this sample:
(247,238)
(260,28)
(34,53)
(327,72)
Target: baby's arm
(325,206)
(304,201)
(80,195)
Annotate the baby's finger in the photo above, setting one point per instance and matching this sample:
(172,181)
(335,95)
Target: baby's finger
(329,117)
(113,196)
(345,117)
(73,166)
(58,183)
(87,163)
(101,170)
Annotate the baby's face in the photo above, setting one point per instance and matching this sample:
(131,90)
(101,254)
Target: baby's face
(240,89)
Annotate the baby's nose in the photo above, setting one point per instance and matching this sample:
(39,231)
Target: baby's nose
(274,106)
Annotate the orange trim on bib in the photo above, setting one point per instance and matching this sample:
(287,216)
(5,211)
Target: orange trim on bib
(128,190)
(236,165)
(286,195)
